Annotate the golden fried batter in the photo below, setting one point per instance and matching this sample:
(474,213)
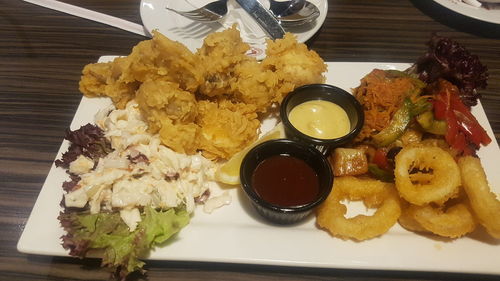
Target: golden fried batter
(294,64)
(162,58)
(255,85)
(231,73)
(158,58)
(160,100)
(226,127)
(182,138)
(220,54)
(101,79)
(208,100)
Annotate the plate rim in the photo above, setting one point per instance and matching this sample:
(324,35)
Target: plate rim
(145,4)
(470,11)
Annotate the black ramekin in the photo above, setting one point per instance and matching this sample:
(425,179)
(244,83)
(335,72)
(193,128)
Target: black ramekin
(307,153)
(325,92)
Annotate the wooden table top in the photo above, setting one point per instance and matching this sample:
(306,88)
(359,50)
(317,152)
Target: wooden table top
(42,53)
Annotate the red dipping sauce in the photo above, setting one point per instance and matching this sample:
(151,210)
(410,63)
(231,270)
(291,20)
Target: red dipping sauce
(285,181)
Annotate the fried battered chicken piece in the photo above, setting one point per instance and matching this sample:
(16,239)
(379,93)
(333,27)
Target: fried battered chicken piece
(182,138)
(160,100)
(255,85)
(158,58)
(226,127)
(294,64)
(230,73)
(170,111)
(207,101)
(220,54)
(162,58)
(103,79)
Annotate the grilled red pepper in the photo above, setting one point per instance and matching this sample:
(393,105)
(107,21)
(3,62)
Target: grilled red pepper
(380,159)
(463,129)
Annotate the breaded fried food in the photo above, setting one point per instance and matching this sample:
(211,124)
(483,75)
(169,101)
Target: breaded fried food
(170,111)
(103,79)
(226,127)
(230,73)
(425,175)
(374,194)
(206,101)
(233,74)
(407,218)
(483,200)
(158,58)
(255,85)
(162,58)
(454,219)
(181,137)
(220,54)
(160,100)
(294,64)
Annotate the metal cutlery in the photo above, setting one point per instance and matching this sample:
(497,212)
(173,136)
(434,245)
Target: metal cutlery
(263,17)
(285,8)
(307,14)
(211,12)
(289,14)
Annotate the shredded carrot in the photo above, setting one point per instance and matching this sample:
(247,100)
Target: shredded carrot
(380,96)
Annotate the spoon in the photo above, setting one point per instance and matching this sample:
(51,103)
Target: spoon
(285,8)
(307,14)
(289,13)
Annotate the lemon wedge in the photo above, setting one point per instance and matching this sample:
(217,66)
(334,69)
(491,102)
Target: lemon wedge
(229,172)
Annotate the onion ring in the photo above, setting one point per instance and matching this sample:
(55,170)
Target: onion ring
(426,174)
(407,219)
(454,222)
(484,203)
(374,194)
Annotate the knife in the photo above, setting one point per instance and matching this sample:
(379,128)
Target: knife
(91,15)
(264,18)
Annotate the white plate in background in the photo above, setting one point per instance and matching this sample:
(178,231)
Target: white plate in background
(479,13)
(191,33)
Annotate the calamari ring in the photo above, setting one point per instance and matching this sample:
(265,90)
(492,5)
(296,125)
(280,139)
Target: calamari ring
(407,219)
(484,203)
(426,174)
(454,222)
(374,194)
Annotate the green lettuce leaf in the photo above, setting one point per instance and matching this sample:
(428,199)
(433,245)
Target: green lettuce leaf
(121,248)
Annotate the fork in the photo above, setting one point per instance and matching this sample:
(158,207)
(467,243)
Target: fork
(211,12)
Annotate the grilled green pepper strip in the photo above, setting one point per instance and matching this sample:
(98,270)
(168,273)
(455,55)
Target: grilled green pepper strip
(430,124)
(396,127)
(420,107)
(380,174)
(400,121)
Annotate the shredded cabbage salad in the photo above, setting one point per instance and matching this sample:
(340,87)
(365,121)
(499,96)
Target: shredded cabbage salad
(127,192)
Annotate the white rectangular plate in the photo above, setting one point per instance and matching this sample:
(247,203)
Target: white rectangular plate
(236,234)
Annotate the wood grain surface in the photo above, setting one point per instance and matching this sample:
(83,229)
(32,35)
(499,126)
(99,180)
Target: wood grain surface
(42,53)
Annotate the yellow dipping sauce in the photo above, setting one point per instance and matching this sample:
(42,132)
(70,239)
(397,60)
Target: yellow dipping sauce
(320,119)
